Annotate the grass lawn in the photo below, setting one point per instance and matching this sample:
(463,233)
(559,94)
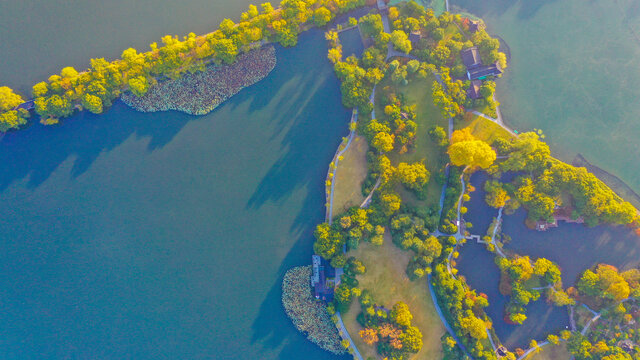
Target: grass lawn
(352,170)
(388,283)
(451,30)
(483,129)
(551,352)
(418,92)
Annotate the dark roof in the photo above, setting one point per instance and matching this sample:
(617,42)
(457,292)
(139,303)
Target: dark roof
(322,271)
(474,26)
(483,71)
(415,36)
(470,57)
(29,105)
(474,89)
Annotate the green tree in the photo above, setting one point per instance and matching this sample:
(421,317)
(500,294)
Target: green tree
(383,142)
(338,261)
(321,16)
(527,153)
(473,326)
(92,103)
(496,195)
(371,25)
(400,41)
(11,120)
(472,153)
(390,203)
(225,50)
(138,85)
(414,176)
(342,295)
(411,339)
(9,99)
(401,315)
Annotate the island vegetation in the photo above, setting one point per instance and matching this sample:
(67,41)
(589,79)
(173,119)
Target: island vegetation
(201,92)
(390,330)
(406,88)
(308,315)
(96,88)
(401,179)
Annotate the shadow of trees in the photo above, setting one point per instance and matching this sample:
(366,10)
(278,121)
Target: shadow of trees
(308,117)
(320,121)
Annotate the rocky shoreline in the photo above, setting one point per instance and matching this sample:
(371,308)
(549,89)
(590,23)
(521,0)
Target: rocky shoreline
(201,93)
(308,315)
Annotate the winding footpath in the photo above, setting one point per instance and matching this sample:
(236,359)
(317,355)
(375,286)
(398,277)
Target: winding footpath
(442,318)
(336,160)
(345,333)
(458,235)
(498,121)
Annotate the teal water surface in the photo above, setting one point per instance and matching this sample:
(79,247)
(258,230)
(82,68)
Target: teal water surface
(163,235)
(573,73)
(574,247)
(40,37)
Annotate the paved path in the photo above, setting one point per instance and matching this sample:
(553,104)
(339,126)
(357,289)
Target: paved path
(442,318)
(343,330)
(586,327)
(367,201)
(329,217)
(526,353)
(493,345)
(354,120)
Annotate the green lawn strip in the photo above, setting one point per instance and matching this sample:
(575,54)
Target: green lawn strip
(419,92)
(483,129)
(386,279)
(353,327)
(533,282)
(352,170)
(451,30)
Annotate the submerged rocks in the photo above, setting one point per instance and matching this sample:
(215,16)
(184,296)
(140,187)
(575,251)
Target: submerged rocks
(202,92)
(308,315)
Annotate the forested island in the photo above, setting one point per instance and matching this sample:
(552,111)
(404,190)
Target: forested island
(411,157)
(425,114)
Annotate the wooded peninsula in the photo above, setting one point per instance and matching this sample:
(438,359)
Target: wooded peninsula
(384,281)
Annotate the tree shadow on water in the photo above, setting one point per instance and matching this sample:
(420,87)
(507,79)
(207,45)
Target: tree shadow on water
(309,113)
(265,326)
(36,152)
(313,121)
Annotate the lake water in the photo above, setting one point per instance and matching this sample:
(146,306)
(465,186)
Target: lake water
(164,235)
(40,37)
(574,247)
(573,73)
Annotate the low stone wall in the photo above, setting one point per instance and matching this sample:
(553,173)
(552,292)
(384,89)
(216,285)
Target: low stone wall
(308,315)
(202,92)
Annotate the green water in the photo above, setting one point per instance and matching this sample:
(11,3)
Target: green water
(163,235)
(574,74)
(40,37)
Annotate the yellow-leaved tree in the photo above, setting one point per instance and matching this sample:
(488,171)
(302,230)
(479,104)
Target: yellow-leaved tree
(466,150)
